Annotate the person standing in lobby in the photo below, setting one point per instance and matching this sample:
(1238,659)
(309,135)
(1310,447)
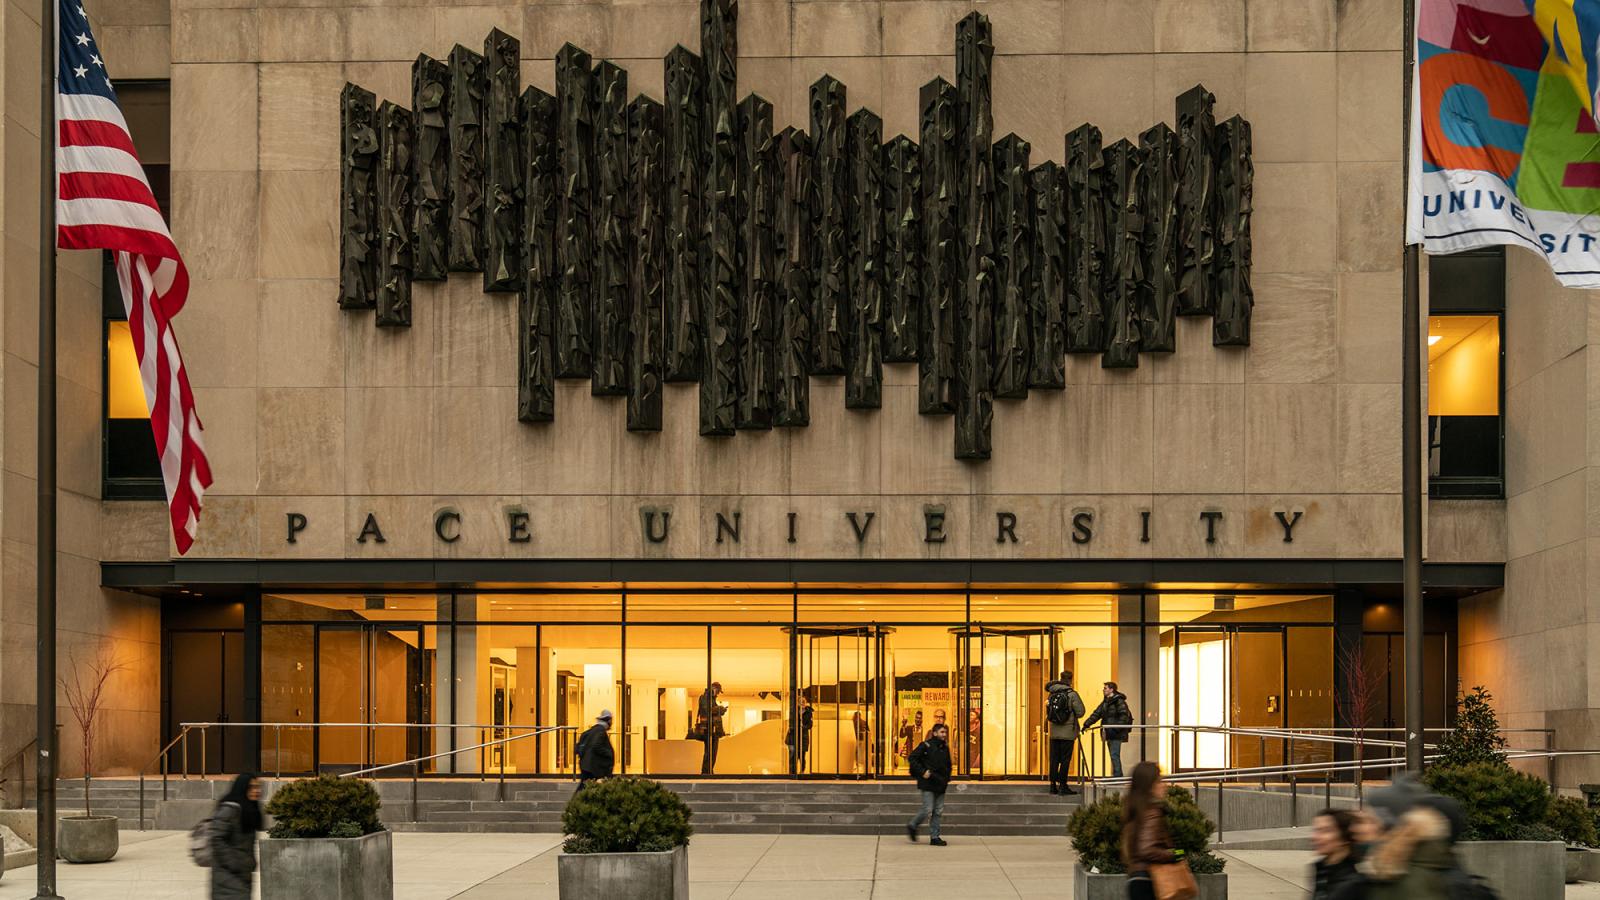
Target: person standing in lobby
(930,765)
(596,758)
(1113,711)
(1063,707)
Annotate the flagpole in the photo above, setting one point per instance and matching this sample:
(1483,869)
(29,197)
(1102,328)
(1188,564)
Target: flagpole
(1411,436)
(45,569)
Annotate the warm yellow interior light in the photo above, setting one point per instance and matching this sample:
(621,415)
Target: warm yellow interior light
(124,389)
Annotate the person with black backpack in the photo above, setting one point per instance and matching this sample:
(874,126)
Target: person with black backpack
(1063,707)
(231,839)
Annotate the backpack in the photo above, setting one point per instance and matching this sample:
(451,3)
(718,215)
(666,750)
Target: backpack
(1059,708)
(200,840)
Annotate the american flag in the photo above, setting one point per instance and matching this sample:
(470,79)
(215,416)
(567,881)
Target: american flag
(105,203)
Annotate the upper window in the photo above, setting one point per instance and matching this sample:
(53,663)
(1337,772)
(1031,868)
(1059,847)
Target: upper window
(1466,431)
(130,469)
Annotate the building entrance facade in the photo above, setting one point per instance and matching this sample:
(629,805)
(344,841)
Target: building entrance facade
(835,683)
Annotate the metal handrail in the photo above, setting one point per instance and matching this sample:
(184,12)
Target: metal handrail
(500,786)
(183,735)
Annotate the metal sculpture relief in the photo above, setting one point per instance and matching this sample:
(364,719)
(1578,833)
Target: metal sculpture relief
(1124,267)
(793,247)
(758,296)
(1196,202)
(685,148)
(394,214)
(358,206)
(1013,210)
(720,311)
(1047,301)
(936,343)
(1235,176)
(467,86)
(536,322)
(692,240)
(902,271)
(1086,332)
(863,382)
(647,182)
(502,210)
(611,231)
(574,237)
(975,313)
(1158,294)
(430,99)
(832,250)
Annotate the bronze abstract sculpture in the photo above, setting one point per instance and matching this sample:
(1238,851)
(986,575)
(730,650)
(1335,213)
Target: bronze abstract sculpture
(692,240)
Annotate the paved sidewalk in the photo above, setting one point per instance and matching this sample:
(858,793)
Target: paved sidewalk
(154,865)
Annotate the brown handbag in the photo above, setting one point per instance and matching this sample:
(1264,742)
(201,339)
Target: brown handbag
(1174,881)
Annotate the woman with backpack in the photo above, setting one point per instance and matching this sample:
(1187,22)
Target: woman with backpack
(233,838)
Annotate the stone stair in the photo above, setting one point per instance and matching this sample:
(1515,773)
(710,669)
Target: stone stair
(720,806)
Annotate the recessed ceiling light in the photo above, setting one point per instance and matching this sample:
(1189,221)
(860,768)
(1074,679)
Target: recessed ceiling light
(1434,339)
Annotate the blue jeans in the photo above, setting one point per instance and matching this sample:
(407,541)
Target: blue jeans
(1114,750)
(932,810)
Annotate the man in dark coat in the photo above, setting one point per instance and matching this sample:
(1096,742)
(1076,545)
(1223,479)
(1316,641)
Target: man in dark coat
(1111,713)
(930,765)
(1063,732)
(596,758)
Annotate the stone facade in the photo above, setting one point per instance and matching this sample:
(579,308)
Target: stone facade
(313,411)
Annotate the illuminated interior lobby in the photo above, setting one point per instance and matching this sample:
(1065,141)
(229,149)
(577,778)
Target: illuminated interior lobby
(877,667)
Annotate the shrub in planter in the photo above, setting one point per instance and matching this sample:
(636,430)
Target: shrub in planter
(325,807)
(1499,802)
(326,843)
(1572,821)
(1476,737)
(1096,833)
(625,815)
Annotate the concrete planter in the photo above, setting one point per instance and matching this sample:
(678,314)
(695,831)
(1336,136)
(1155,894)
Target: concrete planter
(328,868)
(1527,870)
(625,876)
(87,839)
(1115,887)
(1577,863)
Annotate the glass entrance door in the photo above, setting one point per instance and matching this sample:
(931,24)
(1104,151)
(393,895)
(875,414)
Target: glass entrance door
(840,678)
(1222,677)
(373,675)
(1002,673)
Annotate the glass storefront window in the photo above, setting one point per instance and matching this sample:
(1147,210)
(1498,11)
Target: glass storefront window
(668,671)
(752,703)
(992,607)
(580,669)
(553,607)
(846,607)
(775,608)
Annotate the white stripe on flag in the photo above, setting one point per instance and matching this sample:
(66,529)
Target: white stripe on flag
(91,108)
(120,213)
(106,160)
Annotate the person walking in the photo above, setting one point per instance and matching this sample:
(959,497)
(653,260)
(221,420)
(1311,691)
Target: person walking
(1063,707)
(1112,712)
(1146,842)
(712,712)
(1334,875)
(596,758)
(799,736)
(930,765)
(233,839)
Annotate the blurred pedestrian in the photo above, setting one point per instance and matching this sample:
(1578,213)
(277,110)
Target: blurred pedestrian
(233,839)
(596,758)
(1334,875)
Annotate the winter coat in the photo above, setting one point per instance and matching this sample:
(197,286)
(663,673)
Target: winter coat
(930,765)
(1146,841)
(1337,881)
(233,854)
(1068,730)
(1113,710)
(596,758)
(1414,861)
(806,715)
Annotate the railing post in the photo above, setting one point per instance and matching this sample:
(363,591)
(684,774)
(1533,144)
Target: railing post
(1549,761)
(1327,790)
(277,752)
(203,767)
(416,814)
(1220,819)
(1263,752)
(141,801)
(1294,802)
(186,754)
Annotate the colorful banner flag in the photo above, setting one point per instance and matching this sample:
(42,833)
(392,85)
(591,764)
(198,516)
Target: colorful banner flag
(1504,145)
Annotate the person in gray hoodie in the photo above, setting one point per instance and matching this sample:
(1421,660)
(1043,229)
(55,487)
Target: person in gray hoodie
(1063,708)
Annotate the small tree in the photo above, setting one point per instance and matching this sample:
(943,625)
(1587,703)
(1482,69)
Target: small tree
(85,696)
(1476,737)
(1359,696)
